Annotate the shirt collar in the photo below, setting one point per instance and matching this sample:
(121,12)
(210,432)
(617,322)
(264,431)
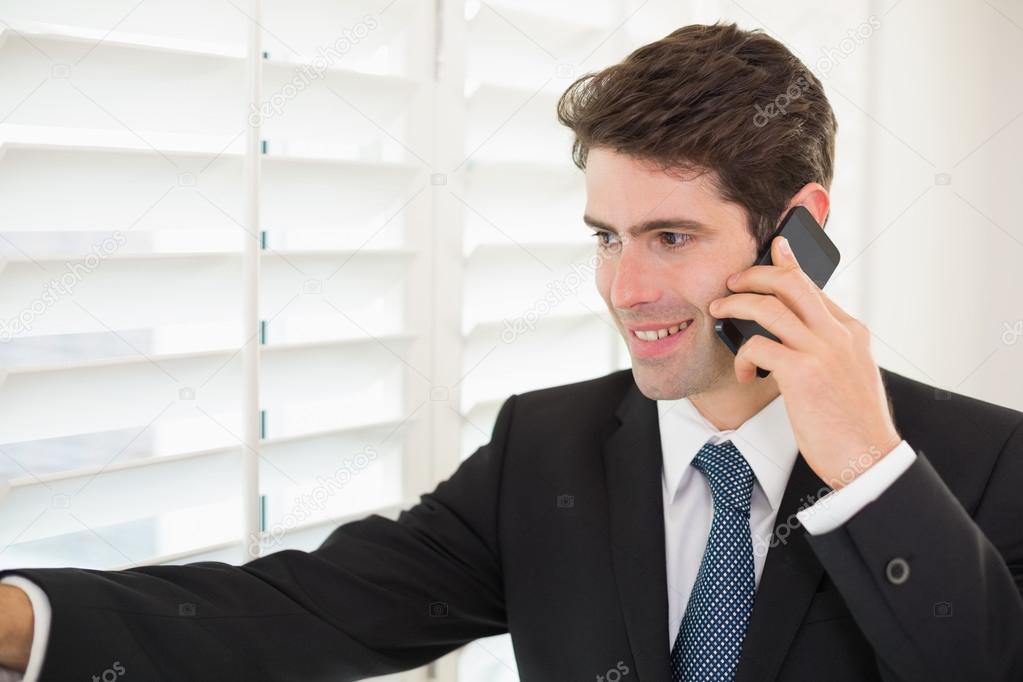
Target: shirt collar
(766,441)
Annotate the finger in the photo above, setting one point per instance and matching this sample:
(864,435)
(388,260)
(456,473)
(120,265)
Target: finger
(771,314)
(834,308)
(807,298)
(760,351)
(786,280)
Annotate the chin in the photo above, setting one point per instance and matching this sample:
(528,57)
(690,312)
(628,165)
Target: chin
(664,382)
(657,384)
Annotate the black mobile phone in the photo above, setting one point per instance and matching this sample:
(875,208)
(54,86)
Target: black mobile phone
(818,257)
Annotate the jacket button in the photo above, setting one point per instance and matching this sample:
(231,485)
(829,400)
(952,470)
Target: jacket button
(897,571)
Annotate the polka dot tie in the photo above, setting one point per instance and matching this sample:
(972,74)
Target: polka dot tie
(710,637)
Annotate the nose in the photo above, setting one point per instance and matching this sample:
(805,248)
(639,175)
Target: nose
(635,279)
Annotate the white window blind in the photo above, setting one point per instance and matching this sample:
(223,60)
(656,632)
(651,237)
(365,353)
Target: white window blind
(121,179)
(523,205)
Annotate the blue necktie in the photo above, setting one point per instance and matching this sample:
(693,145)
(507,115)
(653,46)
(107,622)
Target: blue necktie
(710,637)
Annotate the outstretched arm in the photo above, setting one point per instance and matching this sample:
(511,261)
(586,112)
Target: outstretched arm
(378,596)
(16,628)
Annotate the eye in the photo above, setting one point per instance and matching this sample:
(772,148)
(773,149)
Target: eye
(601,244)
(676,239)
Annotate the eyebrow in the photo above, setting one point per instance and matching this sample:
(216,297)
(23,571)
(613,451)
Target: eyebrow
(658,224)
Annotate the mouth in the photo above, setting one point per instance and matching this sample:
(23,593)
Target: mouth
(647,343)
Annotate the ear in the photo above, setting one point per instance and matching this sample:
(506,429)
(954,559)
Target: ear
(814,198)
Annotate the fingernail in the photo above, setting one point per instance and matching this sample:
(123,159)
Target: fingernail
(731,278)
(785,248)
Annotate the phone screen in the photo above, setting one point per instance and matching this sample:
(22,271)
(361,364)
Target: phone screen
(817,255)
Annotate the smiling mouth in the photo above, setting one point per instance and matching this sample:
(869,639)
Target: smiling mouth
(655,334)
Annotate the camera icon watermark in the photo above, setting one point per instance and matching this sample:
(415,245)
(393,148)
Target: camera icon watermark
(565,501)
(439,609)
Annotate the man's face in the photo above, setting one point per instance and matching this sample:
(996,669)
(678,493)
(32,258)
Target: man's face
(656,278)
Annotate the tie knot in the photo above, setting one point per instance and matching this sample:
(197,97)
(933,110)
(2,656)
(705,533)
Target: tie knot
(729,475)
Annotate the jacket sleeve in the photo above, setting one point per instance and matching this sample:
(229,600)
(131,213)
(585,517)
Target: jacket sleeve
(378,596)
(937,597)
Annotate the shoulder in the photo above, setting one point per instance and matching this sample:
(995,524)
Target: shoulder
(962,436)
(575,414)
(916,404)
(579,401)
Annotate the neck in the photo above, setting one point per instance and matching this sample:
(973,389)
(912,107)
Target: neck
(729,405)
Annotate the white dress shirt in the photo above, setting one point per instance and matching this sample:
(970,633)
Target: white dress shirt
(765,440)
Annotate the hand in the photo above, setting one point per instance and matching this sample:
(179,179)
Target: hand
(833,390)
(17,624)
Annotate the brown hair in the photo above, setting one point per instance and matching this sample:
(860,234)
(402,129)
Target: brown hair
(712,98)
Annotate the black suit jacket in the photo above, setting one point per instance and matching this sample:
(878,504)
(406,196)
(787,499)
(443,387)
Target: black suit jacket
(554,531)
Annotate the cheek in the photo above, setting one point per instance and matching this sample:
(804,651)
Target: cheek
(603,277)
(699,289)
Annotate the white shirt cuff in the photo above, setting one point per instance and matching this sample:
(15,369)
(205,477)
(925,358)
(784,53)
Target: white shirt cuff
(838,506)
(40,632)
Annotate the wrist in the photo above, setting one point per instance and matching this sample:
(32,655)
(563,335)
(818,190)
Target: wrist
(856,466)
(17,623)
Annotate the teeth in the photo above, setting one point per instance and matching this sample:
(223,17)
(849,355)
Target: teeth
(653,335)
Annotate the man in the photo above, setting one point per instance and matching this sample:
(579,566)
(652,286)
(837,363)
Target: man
(681,520)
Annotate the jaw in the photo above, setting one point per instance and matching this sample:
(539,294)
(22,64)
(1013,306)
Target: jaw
(704,367)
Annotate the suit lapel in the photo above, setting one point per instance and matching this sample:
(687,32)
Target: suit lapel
(632,465)
(790,578)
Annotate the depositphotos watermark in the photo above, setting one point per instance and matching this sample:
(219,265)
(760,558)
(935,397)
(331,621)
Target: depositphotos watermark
(615,674)
(316,499)
(324,59)
(784,529)
(557,292)
(854,38)
(62,286)
(780,105)
(111,674)
(832,56)
(1013,332)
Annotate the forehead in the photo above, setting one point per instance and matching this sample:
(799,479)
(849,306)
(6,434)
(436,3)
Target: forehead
(622,190)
